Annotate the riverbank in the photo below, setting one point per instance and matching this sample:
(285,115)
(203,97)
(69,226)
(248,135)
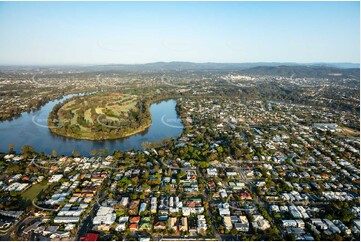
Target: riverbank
(95,138)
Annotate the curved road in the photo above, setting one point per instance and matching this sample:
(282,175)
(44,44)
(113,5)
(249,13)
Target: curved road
(45,209)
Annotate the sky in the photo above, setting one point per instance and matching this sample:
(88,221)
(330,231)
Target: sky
(66,33)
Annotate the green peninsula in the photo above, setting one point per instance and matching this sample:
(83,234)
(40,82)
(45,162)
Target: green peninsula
(100,116)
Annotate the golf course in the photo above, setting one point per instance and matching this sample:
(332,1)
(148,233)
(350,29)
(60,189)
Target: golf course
(100,116)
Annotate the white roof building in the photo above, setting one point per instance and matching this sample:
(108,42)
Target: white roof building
(60,219)
(56,178)
(227,222)
(105,215)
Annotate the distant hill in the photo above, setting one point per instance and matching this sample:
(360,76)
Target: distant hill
(212,66)
(338,65)
(303,71)
(257,68)
(319,70)
(172,66)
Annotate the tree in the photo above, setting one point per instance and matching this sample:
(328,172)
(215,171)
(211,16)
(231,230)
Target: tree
(93,152)
(203,164)
(135,180)
(75,153)
(338,237)
(237,153)
(182,174)
(221,229)
(54,153)
(27,149)
(146,175)
(11,148)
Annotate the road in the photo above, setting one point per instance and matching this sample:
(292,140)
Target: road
(86,223)
(42,167)
(10,234)
(255,196)
(26,222)
(206,197)
(41,208)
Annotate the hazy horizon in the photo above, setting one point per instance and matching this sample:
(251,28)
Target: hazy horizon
(262,63)
(106,33)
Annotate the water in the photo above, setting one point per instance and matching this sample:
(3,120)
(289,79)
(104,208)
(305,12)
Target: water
(31,129)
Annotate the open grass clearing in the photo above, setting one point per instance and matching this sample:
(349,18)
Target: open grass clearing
(34,190)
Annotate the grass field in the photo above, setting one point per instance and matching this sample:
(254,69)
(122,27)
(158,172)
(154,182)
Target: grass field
(118,107)
(87,116)
(33,191)
(350,132)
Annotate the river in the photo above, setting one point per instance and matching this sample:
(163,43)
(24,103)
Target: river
(31,129)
